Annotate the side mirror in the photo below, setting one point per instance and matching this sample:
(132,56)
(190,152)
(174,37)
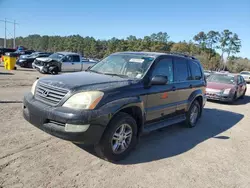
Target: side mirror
(63,59)
(159,80)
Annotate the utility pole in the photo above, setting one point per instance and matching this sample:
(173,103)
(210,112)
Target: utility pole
(5,32)
(14,38)
(5,35)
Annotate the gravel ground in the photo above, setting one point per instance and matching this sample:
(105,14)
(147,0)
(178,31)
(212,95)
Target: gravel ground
(213,154)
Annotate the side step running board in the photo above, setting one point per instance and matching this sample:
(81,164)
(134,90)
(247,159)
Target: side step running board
(162,124)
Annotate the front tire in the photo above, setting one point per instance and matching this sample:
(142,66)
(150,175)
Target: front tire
(119,138)
(243,95)
(193,114)
(233,99)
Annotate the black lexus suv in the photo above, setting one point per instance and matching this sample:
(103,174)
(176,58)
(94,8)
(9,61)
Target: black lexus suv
(118,99)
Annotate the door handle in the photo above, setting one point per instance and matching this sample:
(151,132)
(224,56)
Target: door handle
(173,88)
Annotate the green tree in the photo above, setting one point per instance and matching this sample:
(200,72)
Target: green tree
(201,38)
(181,47)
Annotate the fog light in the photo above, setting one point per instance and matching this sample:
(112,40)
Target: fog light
(76,128)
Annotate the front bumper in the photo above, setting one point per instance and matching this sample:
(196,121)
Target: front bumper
(37,67)
(53,120)
(220,97)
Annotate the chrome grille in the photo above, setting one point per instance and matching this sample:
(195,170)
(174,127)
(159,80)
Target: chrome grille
(49,94)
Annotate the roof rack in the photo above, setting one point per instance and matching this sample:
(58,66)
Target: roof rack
(182,54)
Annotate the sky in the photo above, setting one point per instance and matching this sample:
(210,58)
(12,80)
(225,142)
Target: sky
(181,19)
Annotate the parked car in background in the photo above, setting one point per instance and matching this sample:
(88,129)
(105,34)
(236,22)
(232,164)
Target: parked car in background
(24,52)
(61,62)
(224,72)
(5,50)
(87,63)
(27,60)
(123,96)
(225,87)
(207,73)
(246,76)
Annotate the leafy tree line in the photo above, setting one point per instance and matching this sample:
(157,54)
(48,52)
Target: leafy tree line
(204,46)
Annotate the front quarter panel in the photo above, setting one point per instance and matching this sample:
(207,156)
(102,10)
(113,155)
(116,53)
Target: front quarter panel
(106,112)
(194,95)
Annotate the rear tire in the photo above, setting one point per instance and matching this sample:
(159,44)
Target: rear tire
(111,146)
(193,114)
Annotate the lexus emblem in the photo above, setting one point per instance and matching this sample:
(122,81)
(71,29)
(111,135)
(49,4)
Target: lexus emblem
(45,93)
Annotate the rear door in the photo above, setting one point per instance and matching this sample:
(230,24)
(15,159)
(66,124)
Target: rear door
(197,79)
(183,83)
(161,100)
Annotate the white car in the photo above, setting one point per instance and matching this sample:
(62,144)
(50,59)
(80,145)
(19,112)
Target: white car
(246,76)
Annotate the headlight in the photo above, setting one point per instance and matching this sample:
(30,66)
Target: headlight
(34,87)
(226,91)
(84,100)
(21,60)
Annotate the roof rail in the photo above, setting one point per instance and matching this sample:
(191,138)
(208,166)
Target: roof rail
(182,54)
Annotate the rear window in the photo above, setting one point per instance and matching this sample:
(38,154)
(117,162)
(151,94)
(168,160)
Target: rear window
(181,72)
(76,58)
(195,70)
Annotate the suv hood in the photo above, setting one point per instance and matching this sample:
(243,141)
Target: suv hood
(219,86)
(87,81)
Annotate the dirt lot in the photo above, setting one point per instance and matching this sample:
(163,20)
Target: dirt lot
(216,153)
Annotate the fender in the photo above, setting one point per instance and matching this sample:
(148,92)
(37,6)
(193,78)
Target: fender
(116,106)
(193,96)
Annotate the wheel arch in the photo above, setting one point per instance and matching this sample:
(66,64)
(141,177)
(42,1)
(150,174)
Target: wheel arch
(196,95)
(133,106)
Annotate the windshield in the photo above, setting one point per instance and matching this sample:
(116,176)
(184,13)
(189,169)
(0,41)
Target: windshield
(33,55)
(246,73)
(132,66)
(225,79)
(56,56)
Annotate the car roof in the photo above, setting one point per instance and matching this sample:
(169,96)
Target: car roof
(68,53)
(156,54)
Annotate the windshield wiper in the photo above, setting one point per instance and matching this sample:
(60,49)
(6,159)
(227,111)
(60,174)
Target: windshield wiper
(113,74)
(94,71)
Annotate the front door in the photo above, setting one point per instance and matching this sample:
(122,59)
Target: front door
(77,62)
(161,100)
(67,64)
(241,86)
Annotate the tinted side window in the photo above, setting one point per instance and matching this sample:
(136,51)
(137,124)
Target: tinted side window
(68,58)
(76,58)
(195,70)
(242,79)
(181,72)
(165,68)
(238,80)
